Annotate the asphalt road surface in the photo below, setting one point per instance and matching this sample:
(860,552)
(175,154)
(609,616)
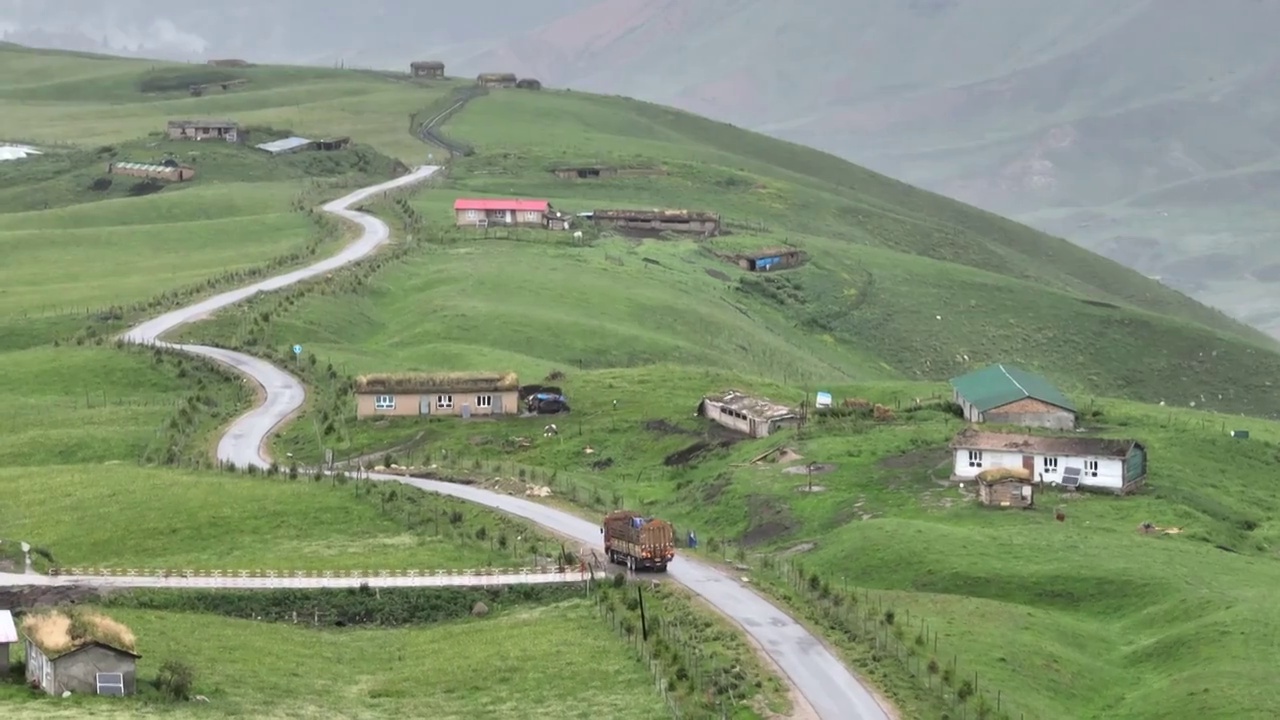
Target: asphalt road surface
(826,684)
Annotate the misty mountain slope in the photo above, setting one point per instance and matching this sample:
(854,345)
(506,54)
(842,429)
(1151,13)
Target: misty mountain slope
(1017,106)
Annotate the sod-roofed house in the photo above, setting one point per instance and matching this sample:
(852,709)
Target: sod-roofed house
(79,651)
(1118,466)
(755,416)
(427,69)
(1006,395)
(447,394)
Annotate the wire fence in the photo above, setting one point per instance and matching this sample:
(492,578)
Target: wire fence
(896,637)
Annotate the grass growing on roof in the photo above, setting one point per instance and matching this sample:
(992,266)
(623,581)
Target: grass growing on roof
(60,631)
(424,382)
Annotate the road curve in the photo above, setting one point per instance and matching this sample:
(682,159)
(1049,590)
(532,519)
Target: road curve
(826,684)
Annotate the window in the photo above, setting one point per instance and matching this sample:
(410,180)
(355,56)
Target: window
(110,684)
(471,214)
(1051,465)
(444,402)
(484,401)
(1091,468)
(975,458)
(384,402)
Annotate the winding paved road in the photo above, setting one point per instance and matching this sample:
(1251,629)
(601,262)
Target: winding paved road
(828,686)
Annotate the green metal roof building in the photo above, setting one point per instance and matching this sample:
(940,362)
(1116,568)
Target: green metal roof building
(1006,395)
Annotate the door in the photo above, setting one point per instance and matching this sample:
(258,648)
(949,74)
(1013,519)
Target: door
(466,410)
(424,404)
(1029,464)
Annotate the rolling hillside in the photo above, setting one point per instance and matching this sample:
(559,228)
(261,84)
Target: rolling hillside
(901,290)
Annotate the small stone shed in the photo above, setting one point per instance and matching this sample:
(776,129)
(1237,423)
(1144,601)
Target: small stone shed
(1006,487)
(80,651)
(168,170)
(427,68)
(768,259)
(529,84)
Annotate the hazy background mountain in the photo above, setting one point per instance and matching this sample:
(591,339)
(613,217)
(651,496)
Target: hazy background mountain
(1148,130)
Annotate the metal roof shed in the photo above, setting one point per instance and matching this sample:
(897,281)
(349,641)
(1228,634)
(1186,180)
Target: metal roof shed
(999,385)
(285,145)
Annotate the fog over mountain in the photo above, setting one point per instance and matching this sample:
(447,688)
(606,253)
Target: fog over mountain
(1147,130)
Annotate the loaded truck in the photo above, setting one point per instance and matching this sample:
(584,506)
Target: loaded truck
(638,542)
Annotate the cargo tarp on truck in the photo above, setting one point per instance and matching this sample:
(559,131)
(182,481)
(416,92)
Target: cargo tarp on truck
(638,542)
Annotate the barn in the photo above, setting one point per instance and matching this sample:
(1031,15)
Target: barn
(1006,395)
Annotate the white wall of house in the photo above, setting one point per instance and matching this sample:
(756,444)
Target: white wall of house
(1107,473)
(717,412)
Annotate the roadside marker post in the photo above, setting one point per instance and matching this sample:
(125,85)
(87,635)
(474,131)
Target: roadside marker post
(297,354)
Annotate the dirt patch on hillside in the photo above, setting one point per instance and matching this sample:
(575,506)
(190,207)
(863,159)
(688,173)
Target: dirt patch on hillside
(923,459)
(721,276)
(770,521)
(694,452)
(663,427)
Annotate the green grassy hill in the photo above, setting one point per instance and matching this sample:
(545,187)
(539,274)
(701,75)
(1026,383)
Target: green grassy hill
(902,290)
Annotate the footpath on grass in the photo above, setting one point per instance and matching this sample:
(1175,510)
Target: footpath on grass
(819,676)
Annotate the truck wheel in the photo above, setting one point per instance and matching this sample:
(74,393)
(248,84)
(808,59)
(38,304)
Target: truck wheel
(661,568)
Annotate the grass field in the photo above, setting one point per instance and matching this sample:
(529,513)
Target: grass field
(557,661)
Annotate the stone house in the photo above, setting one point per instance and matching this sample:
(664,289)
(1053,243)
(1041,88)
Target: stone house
(447,394)
(497,80)
(757,417)
(679,221)
(224,130)
(427,69)
(1006,395)
(81,652)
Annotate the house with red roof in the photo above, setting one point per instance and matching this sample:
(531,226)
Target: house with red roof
(487,212)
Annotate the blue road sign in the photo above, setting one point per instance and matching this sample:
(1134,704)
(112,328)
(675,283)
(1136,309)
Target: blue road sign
(297,349)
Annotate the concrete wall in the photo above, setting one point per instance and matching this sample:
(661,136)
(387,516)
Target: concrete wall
(505,402)
(178,174)
(523,218)
(1109,473)
(78,671)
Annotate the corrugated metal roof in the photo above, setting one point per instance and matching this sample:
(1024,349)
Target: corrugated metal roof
(143,166)
(997,385)
(497,204)
(8,631)
(283,145)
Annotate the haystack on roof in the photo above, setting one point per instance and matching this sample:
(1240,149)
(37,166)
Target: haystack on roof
(427,64)
(60,632)
(991,476)
(438,382)
(503,77)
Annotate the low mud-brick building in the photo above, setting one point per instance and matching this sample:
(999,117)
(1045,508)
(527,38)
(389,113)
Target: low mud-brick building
(778,258)
(448,394)
(1006,487)
(1006,395)
(224,130)
(427,69)
(678,221)
(757,417)
(497,80)
(79,651)
(167,170)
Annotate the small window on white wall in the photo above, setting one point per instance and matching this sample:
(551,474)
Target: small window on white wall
(384,402)
(444,402)
(471,214)
(1091,468)
(1051,465)
(975,458)
(110,684)
(484,401)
